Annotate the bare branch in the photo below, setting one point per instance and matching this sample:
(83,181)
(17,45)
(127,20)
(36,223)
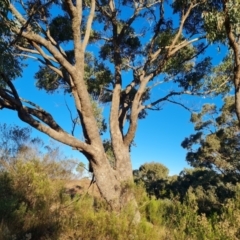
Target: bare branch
(9,99)
(27,50)
(180,104)
(53,131)
(184,44)
(5,104)
(48,34)
(62,137)
(160,100)
(70,8)
(89,25)
(30,56)
(42,53)
(135,108)
(111,5)
(44,116)
(74,120)
(183,19)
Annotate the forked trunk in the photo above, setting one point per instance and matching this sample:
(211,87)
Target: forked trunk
(116,186)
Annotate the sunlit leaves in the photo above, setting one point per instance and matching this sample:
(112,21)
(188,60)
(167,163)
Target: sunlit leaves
(214,26)
(220,79)
(99,81)
(216,14)
(216,143)
(150,172)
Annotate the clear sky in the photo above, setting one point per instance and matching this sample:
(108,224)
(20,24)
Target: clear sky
(158,137)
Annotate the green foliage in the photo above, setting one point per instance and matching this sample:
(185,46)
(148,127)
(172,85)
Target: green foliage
(13,139)
(209,189)
(9,64)
(214,25)
(109,152)
(34,203)
(215,16)
(36,206)
(29,195)
(49,80)
(153,176)
(81,168)
(151,171)
(60,29)
(216,143)
(219,80)
(182,220)
(191,79)
(130,44)
(97,111)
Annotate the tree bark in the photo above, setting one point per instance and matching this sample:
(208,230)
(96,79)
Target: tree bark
(116,186)
(234,44)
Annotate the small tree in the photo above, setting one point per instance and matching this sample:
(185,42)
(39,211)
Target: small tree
(154,176)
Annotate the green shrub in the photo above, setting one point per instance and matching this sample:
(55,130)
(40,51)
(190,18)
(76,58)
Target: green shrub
(34,204)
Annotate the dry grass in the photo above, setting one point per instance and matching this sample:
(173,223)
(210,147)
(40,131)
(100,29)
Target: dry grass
(81,187)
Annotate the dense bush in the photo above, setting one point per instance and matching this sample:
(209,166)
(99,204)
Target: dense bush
(35,204)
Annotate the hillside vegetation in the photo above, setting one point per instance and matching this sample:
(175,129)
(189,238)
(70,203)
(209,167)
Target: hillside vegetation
(36,201)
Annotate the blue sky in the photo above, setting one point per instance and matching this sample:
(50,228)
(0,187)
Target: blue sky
(158,137)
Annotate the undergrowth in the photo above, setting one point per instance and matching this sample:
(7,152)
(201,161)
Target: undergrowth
(35,205)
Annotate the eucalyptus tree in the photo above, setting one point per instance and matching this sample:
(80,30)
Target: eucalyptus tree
(137,47)
(223,26)
(216,143)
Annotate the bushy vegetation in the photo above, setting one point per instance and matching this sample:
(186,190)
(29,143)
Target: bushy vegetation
(35,204)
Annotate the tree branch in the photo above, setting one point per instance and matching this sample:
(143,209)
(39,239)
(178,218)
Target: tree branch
(160,100)
(33,37)
(180,104)
(74,120)
(54,130)
(89,25)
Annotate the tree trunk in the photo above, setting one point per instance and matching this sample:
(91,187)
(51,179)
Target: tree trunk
(237,89)
(237,103)
(116,186)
